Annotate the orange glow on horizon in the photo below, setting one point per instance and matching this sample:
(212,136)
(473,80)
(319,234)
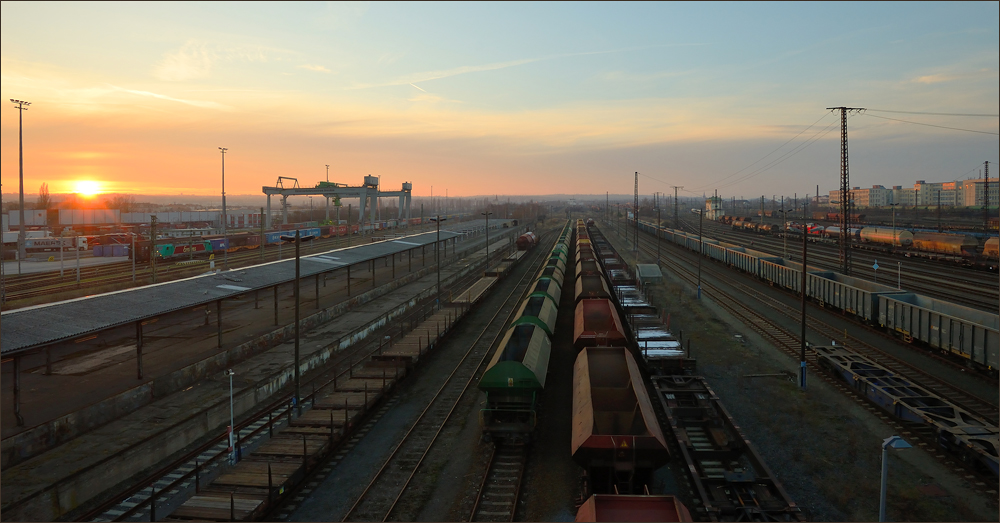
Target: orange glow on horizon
(87,188)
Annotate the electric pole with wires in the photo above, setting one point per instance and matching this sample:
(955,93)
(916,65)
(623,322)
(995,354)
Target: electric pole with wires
(845,189)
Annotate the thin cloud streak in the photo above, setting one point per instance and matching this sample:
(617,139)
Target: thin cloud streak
(445,73)
(196,103)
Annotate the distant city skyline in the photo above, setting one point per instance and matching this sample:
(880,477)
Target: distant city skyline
(497,98)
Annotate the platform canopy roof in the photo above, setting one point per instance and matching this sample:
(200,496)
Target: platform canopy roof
(30,328)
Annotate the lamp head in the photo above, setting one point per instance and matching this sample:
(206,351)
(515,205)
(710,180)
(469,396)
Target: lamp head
(895,442)
(229,372)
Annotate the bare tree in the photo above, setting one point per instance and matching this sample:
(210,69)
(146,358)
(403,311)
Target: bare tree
(43,197)
(122,202)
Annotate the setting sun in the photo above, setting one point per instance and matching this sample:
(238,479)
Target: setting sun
(87,188)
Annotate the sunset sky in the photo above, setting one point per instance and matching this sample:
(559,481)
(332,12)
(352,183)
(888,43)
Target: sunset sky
(497,98)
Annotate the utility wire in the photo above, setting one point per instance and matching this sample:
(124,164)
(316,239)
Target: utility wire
(799,148)
(931,125)
(934,114)
(763,157)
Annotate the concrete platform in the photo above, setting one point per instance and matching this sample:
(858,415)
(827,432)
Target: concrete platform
(49,485)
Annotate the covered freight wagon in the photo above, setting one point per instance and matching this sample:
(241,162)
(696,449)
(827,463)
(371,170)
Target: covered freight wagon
(616,436)
(538,309)
(512,381)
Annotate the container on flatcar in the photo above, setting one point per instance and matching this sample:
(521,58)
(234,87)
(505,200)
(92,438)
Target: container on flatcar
(596,324)
(616,436)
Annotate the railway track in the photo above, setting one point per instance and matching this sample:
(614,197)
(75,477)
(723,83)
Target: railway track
(34,285)
(944,281)
(382,499)
(789,343)
(500,489)
(181,477)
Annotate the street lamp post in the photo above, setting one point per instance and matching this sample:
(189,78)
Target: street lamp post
(133,256)
(437,259)
(327,198)
(657,235)
(701,246)
(21,107)
(895,442)
(894,239)
(232,424)
(487,215)
(784,231)
(225,236)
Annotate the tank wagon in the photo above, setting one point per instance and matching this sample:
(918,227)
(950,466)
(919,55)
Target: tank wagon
(992,248)
(945,243)
(969,334)
(516,373)
(526,241)
(616,437)
(894,237)
(975,441)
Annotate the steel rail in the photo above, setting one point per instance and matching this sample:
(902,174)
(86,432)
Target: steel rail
(789,343)
(521,286)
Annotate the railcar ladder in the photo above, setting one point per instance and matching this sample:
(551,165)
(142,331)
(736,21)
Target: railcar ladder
(623,465)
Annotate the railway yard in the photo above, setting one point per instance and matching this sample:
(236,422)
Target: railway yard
(521,377)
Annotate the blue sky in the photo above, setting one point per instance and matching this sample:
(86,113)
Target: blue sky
(508,98)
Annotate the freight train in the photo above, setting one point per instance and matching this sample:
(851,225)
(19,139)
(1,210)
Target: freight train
(972,335)
(619,441)
(922,243)
(516,374)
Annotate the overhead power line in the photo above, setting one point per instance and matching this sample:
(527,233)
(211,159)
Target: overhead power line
(936,114)
(715,184)
(931,125)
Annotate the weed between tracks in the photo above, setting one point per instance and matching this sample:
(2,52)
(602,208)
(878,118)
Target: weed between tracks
(823,447)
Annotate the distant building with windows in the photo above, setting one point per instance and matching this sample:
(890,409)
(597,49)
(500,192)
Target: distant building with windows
(963,193)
